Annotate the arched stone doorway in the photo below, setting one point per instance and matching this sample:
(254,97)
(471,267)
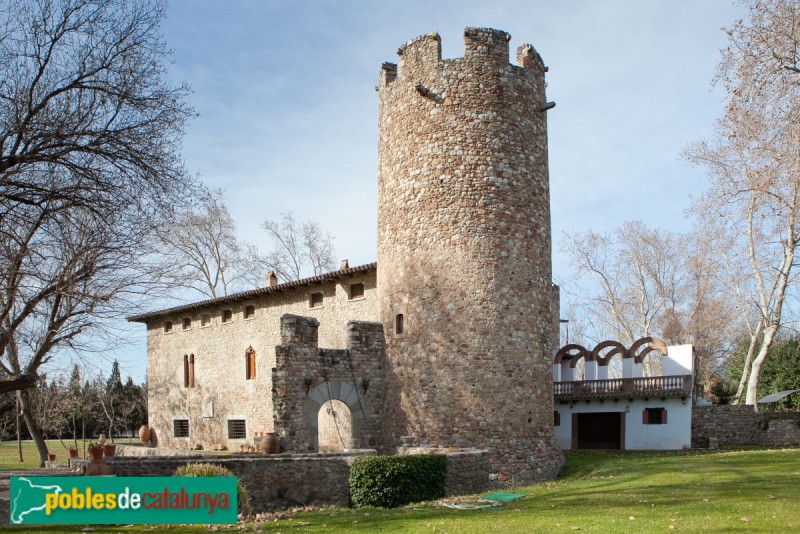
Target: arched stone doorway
(334,427)
(346,394)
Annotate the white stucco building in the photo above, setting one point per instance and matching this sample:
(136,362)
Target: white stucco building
(632,411)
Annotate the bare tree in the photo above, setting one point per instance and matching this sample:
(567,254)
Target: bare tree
(203,252)
(648,282)
(298,249)
(755,169)
(90,134)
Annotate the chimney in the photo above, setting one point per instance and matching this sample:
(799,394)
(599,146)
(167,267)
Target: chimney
(344,265)
(270,280)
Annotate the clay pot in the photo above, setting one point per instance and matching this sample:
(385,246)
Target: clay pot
(144,434)
(51,457)
(73,453)
(271,443)
(109,449)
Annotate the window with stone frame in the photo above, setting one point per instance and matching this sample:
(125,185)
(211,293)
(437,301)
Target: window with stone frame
(250,363)
(187,323)
(654,416)
(227,316)
(237,429)
(180,428)
(315,300)
(205,320)
(357,291)
(249,312)
(168,327)
(399,324)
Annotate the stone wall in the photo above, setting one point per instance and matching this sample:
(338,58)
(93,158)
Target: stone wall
(741,425)
(222,390)
(281,480)
(464,250)
(273,481)
(467,470)
(305,377)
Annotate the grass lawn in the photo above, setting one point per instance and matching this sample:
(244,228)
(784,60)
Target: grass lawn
(747,490)
(9,454)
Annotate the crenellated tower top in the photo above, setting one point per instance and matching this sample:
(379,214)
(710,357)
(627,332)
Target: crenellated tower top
(482,47)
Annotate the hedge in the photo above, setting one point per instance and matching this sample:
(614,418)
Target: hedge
(391,481)
(214,470)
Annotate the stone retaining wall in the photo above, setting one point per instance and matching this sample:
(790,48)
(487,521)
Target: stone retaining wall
(282,480)
(742,425)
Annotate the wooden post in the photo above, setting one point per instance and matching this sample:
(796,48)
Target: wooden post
(19,437)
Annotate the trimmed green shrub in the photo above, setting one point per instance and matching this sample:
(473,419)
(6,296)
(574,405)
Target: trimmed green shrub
(213,470)
(391,481)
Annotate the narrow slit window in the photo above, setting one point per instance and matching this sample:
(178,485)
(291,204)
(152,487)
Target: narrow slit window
(191,370)
(249,312)
(237,429)
(227,316)
(399,324)
(186,370)
(250,364)
(556,418)
(180,428)
(316,300)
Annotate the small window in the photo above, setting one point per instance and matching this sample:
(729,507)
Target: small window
(227,316)
(556,418)
(205,320)
(237,429)
(180,428)
(399,324)
(187,323)
(250,363)
(249,312)
(356,291)
(188,370)
(316,300)
(654,416)
(168,327)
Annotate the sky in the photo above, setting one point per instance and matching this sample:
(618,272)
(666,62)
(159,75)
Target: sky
(287,108)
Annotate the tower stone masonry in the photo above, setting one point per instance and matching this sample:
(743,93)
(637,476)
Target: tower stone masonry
(464,252)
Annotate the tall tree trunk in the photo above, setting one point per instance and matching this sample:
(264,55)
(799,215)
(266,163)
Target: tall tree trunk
(748,362)
(33,428)
(755,370)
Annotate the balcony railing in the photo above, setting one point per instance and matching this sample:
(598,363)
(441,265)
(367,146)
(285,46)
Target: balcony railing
(649,386)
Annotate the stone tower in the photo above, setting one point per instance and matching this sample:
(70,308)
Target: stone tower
(464,267)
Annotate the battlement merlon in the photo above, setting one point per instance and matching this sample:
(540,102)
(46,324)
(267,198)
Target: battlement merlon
(529,58)
(422,52)
(485,43)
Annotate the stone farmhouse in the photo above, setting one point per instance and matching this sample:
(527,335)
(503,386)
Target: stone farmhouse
(448,340)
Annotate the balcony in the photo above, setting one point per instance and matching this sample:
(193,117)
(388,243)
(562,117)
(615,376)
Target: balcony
(617,388)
